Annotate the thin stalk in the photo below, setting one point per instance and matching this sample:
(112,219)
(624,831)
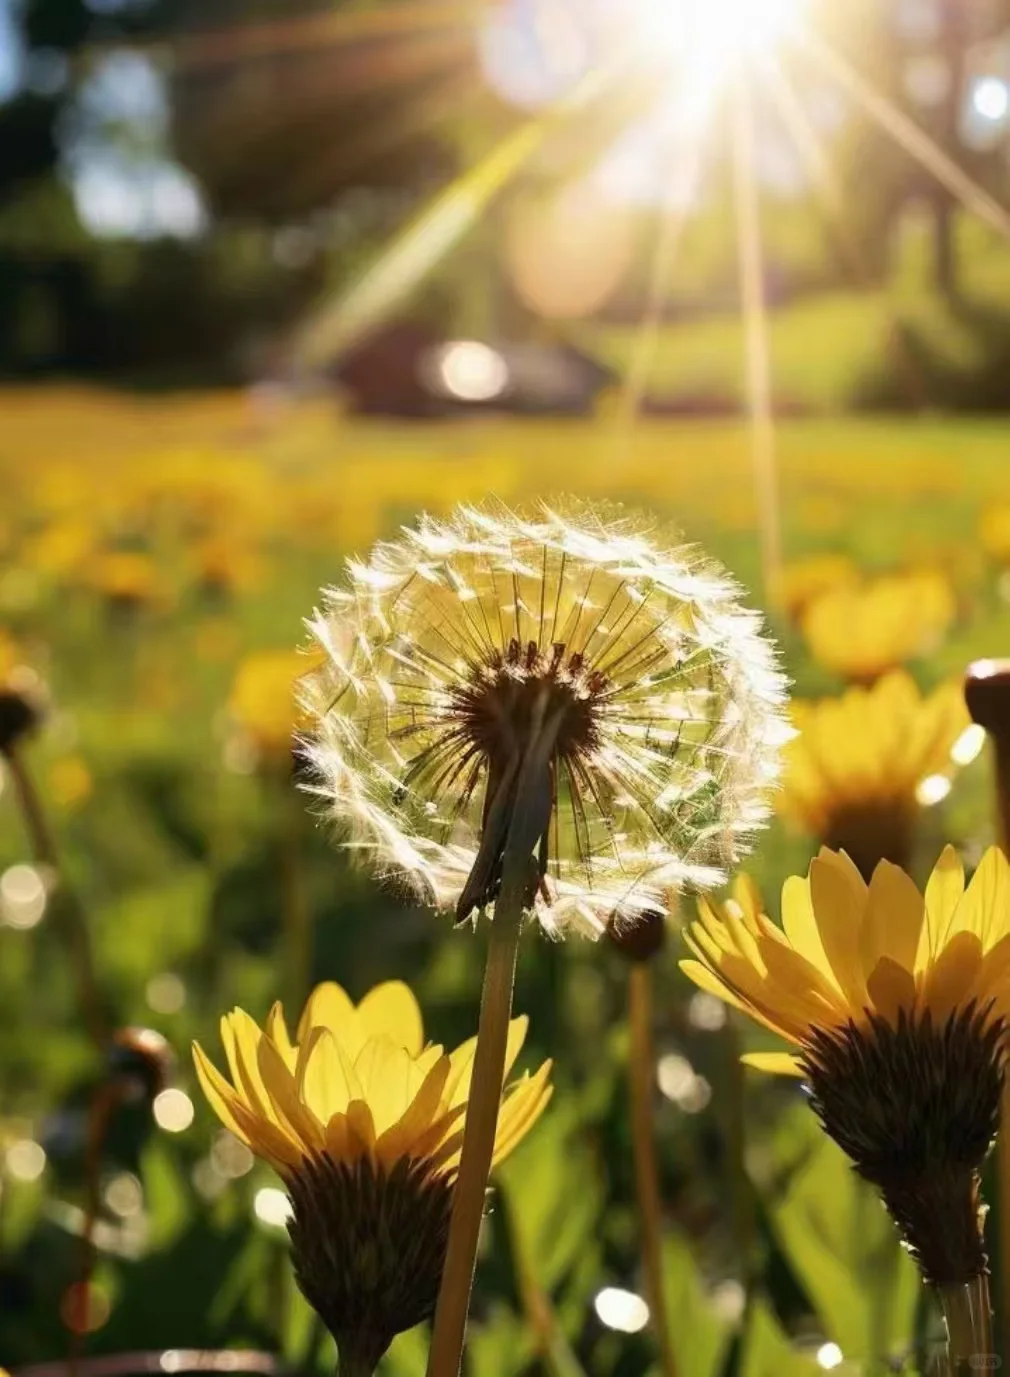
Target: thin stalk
(103,1105)
(449,1332)
(968,1314)
(641,1075)
(66,905)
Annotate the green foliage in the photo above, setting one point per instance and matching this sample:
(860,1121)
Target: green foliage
(836,1235)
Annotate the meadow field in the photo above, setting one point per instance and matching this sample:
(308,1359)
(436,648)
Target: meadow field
(157,556)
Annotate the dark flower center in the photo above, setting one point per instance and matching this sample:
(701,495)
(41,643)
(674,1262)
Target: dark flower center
(500,706)
(916,1107)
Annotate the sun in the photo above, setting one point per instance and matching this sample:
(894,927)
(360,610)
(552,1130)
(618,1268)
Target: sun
(713,39)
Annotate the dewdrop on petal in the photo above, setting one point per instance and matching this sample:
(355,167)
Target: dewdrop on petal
(450,650)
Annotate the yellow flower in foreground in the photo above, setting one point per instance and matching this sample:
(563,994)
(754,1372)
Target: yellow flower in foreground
(863,764)
(897,1007)
(805,580)
(364,1123)
(861,632)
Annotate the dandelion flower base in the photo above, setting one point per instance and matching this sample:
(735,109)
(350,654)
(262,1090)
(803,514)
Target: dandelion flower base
(368,1247)
(916,1107)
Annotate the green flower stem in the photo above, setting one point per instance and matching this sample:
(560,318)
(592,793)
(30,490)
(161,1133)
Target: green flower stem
(642,1078)
(968,1314)
(65,907)
(518,879)
(355,1364)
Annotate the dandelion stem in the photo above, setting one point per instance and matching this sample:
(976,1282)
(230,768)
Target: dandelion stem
(66,906)
(968,1314)
(650,1206)
(519,879)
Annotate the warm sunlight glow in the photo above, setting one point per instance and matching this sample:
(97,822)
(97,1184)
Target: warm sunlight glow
(716,36)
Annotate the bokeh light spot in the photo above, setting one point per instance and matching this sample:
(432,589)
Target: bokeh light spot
(25,1160)
(271,1206)
(173,1111)
(621,1310)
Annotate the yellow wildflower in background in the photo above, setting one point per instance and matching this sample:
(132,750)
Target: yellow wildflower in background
(861,632)
(126,578)
(863,764)
(805,580)
(9,656)
(226,566)
(994,532)
(897,1005)
(364,1123)
(262,701)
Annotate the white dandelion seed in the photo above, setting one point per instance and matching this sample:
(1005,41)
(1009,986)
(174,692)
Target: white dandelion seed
(452,645)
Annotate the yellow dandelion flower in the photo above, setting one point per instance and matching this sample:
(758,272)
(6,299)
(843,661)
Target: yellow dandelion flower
(224,566)
(897,1006)
(9,655)
(862,765)
(653,693)
(263,699)
(364,1123)
(861,632)
(126,578)
(805,580)
(994,532)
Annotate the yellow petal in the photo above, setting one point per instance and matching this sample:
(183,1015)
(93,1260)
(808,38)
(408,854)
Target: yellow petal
(384,1071)
(390,1009)
(986,902)
(948,981)
(241,1037)
(457,1090)
(323,1082)
(329,1006)
(294,1113)
(891,986)
(894,918)
(360,1126)
(264,1138)
(838,913)
(220,1095)
(400,1140)
(338,1139)
(432,1139)
(944,889)
(521,1108)
(706,980)
(800,926)
(277,1031)
(775,1063)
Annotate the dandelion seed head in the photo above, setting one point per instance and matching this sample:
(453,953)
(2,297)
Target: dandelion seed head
(445,647)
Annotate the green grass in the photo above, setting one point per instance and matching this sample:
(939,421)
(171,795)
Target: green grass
(830,348)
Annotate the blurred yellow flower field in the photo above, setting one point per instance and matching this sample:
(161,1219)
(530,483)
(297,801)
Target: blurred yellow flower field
(159,556)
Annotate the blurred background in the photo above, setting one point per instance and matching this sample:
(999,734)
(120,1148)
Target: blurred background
(277,277)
